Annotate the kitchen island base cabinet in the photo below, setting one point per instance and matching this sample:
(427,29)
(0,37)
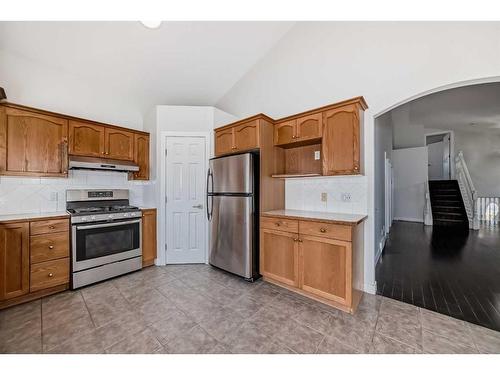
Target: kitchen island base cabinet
(320,260)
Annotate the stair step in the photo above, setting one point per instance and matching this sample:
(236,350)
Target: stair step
(448,213)
(446,208)
(449,222)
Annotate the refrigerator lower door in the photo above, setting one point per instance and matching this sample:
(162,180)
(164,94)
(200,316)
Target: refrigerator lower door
(231,234)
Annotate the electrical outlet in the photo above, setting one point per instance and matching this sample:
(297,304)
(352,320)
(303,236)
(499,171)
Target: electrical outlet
(53,196)
(317,155)
(346,197)
(324,197)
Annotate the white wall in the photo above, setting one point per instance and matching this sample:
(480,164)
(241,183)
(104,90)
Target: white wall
(34,195)
(386,62)
(410,178)
(482,155)
(36,85)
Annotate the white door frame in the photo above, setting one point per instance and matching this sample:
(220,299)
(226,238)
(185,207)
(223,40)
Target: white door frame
(452,149)
(162,256)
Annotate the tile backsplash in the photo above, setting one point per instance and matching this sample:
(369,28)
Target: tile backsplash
(20,195)
(305,194)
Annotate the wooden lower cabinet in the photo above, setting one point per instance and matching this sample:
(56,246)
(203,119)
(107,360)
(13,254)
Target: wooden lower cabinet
(148,237)
(14,260)
(279,256)
(34,259)
(318,266)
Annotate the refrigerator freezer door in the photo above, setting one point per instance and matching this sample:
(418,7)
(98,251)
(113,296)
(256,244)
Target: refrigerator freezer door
(231,234)
(231,174)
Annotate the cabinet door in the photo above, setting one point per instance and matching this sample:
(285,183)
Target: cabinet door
(148,237)
(246,136)
(141,158)
(309,127)
(119,144)
(325,268)
(279,256)
(285,132)
(14,260)
(32,144)
(86,139)
(224,141)
(341,141)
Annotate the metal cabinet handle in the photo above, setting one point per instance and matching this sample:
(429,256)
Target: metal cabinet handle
(51,247)
(322,230)
(51,274)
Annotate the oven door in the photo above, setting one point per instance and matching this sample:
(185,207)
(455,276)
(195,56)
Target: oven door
(102,243)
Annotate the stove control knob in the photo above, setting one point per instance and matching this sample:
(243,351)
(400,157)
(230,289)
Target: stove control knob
(111,216)
(84,219)
(92,217)
(126,215)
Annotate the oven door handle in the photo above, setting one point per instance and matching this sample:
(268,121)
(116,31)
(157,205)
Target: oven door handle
(78,227)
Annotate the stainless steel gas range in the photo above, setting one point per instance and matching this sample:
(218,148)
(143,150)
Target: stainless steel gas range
(106,235)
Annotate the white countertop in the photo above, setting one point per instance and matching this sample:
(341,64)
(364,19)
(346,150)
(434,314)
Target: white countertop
(316,215)
(33,215)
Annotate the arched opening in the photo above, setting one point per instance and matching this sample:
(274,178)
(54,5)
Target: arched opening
(437,167)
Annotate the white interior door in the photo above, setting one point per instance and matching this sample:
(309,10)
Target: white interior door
(185,206)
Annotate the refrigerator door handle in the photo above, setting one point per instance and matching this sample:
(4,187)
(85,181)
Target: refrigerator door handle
(210,176)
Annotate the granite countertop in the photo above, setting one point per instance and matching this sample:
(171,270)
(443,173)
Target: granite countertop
(32,216)
(350,219)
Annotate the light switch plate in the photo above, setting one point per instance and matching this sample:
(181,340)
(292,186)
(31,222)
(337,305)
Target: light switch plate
(346,197)
(317,155)
(324,197)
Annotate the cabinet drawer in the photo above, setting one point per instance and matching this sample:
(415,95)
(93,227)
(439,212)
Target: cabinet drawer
(49,226)
(49,247)
(277,223)
(48,274)
(337,231)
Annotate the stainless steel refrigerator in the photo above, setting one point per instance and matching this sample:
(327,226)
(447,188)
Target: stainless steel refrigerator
(232,211)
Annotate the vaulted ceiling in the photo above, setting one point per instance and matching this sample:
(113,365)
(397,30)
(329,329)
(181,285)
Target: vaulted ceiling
(181,63)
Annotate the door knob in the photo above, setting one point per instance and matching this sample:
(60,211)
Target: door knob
(200,206)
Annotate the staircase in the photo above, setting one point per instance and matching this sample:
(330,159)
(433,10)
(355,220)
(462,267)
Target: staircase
(447,204)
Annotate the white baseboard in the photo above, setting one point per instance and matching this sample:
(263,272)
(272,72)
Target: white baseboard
(370,288)
(412,219)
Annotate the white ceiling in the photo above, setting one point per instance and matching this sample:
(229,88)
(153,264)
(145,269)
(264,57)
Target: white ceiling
(183,63)
(457,109)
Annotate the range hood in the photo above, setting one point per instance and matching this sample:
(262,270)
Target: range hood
(84,162)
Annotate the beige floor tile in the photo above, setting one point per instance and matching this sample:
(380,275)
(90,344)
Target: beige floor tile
(196,340)
(143,342)
(331,345)
(119,329)
(487,341)
(298,337)
(385,345)
(437,344)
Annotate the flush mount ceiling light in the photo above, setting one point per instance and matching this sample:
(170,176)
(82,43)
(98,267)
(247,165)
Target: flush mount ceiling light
(151,24)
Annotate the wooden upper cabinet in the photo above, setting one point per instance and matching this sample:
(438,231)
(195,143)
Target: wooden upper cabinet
(119,144)
(141,157)
(309,127)
(32,144)
(341,140)
(86,139)
(325,266)
(14,260)
(285,132)
(279,256)
(246,136)
(224,141)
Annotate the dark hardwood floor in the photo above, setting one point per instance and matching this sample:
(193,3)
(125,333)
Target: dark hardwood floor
(449,270)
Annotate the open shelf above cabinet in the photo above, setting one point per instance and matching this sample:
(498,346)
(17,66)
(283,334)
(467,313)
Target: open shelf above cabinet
(298,175)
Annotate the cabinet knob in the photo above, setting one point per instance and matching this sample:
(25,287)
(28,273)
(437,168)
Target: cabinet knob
(52,227)
(299,240)
(103,153)
(295,239)
(356,167)
(51,247)
(277,224)
(51,274)
(322,230)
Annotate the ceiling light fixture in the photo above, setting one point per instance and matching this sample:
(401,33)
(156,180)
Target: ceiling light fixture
(151,24)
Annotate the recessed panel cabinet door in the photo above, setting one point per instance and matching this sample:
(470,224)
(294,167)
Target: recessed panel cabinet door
(325,266)
(341,141)
(32,143)
(14,260)
(246,136)
(224,141)
(119,144)
(285,132)
(141,158)
(279,256)
(148,237)
(86,139)
(309,127)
